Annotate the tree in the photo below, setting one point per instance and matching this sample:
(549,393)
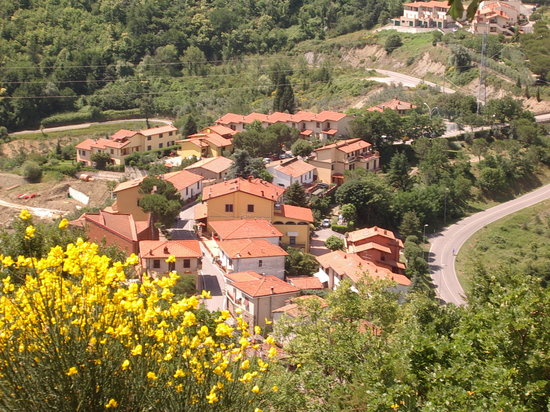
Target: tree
(417,267)
(161,199)
(334,243)
(492,179)
(299,263)
(189,126)
(434,162)
(295,195)
(379,129)
(460,59)
(284,95)
(301,147)
(410,225)
(349,212)
(398,172)
(101,160)
(503,109)
(32,171)
(244,166)
(194,62)
(392,42)
(479,147)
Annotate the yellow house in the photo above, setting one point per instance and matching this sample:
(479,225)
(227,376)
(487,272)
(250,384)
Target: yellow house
(211,141)
(255,198)
(155,253)
(334,159)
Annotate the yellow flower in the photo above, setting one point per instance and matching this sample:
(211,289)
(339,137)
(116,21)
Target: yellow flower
(72,371)
(269,340)
(245,364)
(258,410)
(29,232)
(152,375)
(257,330)
(275,388)
(63,224)
(179,374)
(205,294)
(256,389)
(24,215)
(125,364)
(111,404)
(171,259)
(267,321)
(394,406)
(137,350)
(272,352)
(212,397)
(132,260)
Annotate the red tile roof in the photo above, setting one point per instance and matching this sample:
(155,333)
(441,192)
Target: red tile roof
(252,186)
(430,4)
(250,248)
(244,229)
(368,232)
(346,146)
(296,212)
(330,131)
(330,116)
(258,286)
(161,249)
(296,168)
(120,223)
(127,185)
(201,211)
(182,179)
(305,282)
(214,164)
(369,246)
(220,129)
(279,117)
(353,267)
(123,134)
(158,129)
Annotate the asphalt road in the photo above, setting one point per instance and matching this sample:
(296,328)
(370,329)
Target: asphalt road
(86,125)
(405,80)
(446,244)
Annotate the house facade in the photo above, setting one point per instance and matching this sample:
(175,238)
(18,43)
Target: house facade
(497,17)
(125,142)
(155,253)
(294,223)
(291,171)
(399,106)
(212,141)
(334,159)
(425,14)
(256,296)
(256,255)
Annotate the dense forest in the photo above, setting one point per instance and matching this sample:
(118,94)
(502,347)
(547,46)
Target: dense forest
(87,55)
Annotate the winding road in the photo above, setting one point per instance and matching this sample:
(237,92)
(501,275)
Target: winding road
(86,125)
(445,245)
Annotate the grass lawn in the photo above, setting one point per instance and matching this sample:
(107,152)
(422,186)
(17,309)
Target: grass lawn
(521,239)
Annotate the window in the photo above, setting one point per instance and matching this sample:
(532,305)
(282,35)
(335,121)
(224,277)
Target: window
(171,266)
(250,208)
(198,185)
(156,263)
(148,137)
(292,240)
(229,208)
(160,136)
(170,133)
(318,125)
(260,263)
(186,263)
(160,145)
(148,147)
(186,191)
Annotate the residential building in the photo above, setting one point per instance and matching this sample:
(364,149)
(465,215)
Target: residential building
(154,253)
(125,142)
(211,141)
(337,265)
(295,224)
(245,229)
(324,125)
(425,14)
(257,255)
(256,296)
(287,172)
(497,17)
(400,106)
(377,245)
(213,169)
(127,194)
(334,159)
(119,229)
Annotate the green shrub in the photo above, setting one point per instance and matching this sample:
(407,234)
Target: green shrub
(343,228)
(32,171)
(86,114)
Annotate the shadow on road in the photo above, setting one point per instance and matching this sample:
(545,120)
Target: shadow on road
(210,283)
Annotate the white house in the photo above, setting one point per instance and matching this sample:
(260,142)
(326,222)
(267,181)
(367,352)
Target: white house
(287,172)
(188,184)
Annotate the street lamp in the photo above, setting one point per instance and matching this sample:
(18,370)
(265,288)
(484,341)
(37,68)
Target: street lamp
(424,233)
(431,110)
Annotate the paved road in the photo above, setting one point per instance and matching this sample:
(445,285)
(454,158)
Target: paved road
(405,80)
(442,259)
(86,125)
(37,211)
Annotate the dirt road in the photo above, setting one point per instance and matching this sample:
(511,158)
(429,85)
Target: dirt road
(86,125)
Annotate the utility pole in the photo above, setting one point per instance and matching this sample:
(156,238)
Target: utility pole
(445,207)
(481,90)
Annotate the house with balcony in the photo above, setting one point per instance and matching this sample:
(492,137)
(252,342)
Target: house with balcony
(286,172)
(295,224)
(334,159)
(399,106)
(256,296)
(212,141)
(213,169)
(377,245)
(155,253)
(425,14)
(257,255)
(324,125)
(498,17)
(125,142)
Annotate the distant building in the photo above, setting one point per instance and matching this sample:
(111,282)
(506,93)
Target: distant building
(213,169)
(125,142)
(400,106)
(257,296)
(212,141)
(287,172)
(425,14)
(498,17)
(334,159)
(324,125)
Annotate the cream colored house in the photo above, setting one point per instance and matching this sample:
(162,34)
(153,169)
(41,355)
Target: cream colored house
(425,14)
(155,253)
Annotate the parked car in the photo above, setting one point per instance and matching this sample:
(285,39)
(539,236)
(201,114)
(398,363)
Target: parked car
(326,223)
(27,196)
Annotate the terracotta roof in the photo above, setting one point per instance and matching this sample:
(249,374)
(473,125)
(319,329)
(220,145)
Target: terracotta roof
(296,309)
(201,211)
(353,267)
(296,168)
(279,117)
(85,144)
(296,212)
(369,246)
(123,134)
(345,145)
(305,282)
(250,248)
(306,132)
(245,276)
(368,232)
(219,129)
(443,4)
(330,131)
(159,129)
(182,179)
(127,185)
(252,186)
(244,229)
(120,223)
(203,139)
(330,116)
(161,249)
(88,144)
(262,285)
(393,104)
(214,164)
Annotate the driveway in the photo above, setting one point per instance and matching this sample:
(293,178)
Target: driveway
(317,244)
(446,244)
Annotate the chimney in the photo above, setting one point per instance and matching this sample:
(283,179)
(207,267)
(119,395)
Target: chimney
(165,249)
(250,178)
(151,252)
(272,290)
(262,193)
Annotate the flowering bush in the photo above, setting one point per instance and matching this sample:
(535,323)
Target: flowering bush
(77,335)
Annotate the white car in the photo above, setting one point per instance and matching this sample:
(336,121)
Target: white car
(326,223)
